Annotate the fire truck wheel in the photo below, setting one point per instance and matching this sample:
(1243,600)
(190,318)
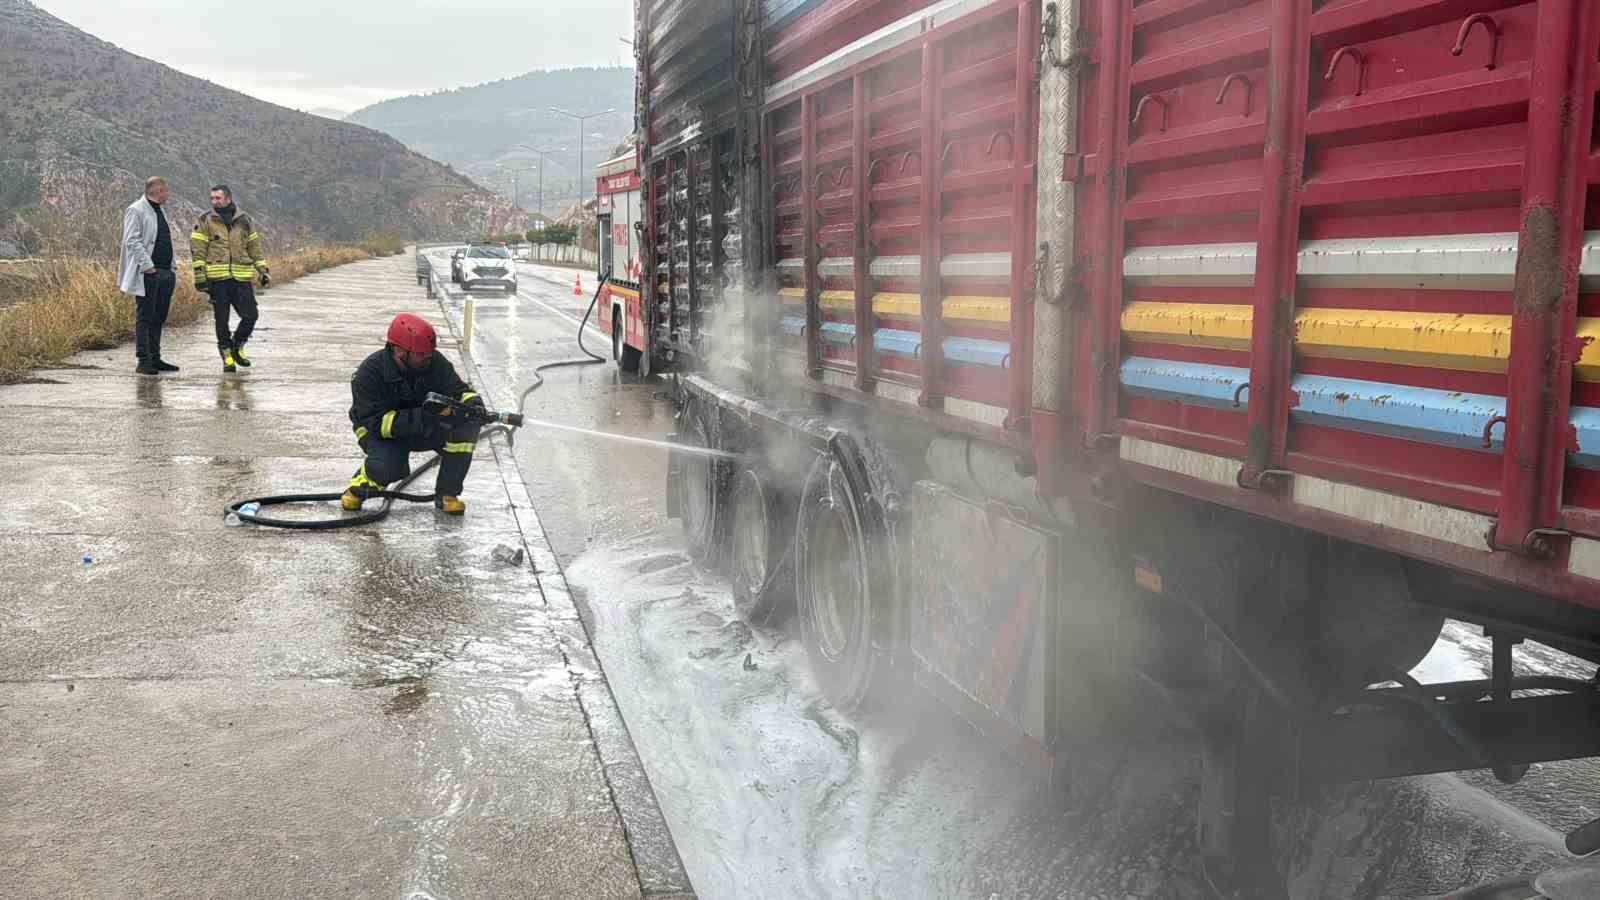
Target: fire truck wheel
(760,535)
(627,357)
(837,584)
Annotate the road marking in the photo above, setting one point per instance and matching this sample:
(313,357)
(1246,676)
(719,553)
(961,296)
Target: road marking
(570,318)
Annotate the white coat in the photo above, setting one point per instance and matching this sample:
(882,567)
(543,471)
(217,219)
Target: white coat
(139,227)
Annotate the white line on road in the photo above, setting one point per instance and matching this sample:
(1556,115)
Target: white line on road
(570,318)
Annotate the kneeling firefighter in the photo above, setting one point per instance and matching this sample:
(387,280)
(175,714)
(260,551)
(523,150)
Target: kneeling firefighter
(387,393)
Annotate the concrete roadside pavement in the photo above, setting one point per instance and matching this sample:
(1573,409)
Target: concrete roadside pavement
(190,709)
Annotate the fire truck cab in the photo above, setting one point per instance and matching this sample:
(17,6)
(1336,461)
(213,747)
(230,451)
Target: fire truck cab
(620,215)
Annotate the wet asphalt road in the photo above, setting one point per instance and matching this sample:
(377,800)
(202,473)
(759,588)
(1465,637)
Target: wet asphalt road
(189,709)
(769,792)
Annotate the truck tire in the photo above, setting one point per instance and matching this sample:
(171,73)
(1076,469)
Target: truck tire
(701,487)
(761,553)
(839,585)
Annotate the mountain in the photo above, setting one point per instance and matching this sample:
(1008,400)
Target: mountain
(478,129)
(326,113)
(82,123)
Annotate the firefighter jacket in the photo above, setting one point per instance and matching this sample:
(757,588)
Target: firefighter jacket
(386,400)
(222,251)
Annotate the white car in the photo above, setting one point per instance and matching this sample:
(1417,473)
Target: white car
(489,266)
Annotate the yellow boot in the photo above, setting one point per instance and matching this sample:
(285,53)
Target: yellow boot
(450,506)
(361,487)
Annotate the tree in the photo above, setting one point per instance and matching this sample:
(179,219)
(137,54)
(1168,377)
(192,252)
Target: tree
(558,234)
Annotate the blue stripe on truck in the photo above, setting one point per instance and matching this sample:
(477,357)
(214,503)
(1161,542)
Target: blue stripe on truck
(897,342)
(1446,418)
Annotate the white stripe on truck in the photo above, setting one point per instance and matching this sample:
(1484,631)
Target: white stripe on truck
(1456,262)
(1430,520)
(1584,560)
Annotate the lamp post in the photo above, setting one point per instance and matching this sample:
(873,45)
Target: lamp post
(581,119)
(544,156)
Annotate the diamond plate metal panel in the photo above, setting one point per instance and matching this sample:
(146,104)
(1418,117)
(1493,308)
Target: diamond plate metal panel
(1057,137)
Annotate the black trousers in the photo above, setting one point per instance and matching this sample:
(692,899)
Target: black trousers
(150,315)
(390,461)
(228,297)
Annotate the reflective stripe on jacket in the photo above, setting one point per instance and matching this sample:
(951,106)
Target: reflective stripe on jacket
(222,251)
(386,401)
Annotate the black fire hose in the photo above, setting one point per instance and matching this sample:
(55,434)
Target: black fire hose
(505,423)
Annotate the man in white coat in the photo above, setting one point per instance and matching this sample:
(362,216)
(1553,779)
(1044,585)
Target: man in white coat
(145,274)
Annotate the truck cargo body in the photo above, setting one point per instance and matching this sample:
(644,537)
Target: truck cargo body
(1096,321)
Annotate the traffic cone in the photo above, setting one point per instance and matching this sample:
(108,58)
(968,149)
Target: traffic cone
(577,286)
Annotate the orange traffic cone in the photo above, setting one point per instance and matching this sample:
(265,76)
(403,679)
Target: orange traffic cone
(577,286)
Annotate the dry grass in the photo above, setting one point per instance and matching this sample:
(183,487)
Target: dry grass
(383,245)
(60,307)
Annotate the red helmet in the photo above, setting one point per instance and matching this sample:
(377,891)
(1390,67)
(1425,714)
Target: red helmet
(412,332)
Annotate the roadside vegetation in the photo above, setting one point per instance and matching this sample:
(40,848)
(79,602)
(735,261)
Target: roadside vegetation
(383,244)
(51,309)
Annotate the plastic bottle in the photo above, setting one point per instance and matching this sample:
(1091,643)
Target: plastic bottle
(249,509)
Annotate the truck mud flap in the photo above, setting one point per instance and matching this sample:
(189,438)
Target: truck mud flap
(983,589)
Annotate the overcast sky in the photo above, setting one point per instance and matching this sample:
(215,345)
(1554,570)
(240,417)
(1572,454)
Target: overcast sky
(345,54)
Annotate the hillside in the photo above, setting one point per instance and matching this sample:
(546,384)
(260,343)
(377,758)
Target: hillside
(477,129)
(83,122)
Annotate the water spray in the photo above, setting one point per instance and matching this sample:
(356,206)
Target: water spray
(683,449)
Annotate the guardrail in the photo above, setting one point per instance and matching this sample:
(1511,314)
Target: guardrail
(436,289)
(562,253)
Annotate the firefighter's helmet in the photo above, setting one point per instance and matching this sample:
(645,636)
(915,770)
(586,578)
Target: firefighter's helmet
(412,332)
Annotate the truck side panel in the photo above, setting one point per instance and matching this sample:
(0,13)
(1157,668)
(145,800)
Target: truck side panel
(902,201)
(1372,224)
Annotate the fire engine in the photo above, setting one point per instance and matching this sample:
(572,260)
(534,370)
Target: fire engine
(620,216)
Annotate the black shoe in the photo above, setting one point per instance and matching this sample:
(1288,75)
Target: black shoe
(146,369)
(165,366)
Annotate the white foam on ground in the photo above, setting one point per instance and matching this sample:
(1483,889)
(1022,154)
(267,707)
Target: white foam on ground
(768,791)
(1464,653)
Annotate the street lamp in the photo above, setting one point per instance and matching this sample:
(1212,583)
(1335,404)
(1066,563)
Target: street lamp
(507,170)
(543,158)
(581,119)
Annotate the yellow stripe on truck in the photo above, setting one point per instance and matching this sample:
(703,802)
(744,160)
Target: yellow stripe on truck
(909,306)
(1472,342)
(1218,326)
(1479,343)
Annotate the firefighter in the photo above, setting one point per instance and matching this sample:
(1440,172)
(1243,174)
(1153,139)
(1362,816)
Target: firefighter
(387,391)
(227,258)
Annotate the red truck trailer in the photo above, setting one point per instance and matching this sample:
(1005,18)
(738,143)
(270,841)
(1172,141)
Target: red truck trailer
(1109,365)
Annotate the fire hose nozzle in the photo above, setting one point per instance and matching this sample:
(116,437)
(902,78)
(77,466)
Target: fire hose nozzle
(512,419)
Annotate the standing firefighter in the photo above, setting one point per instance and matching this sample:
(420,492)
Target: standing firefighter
(227,259)
(386,411)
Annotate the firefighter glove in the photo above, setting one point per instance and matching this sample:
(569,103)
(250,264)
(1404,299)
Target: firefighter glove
(265,278)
